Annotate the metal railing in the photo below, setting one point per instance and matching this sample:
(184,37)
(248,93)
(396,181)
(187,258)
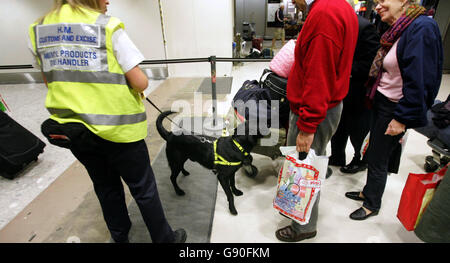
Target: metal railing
(212,60)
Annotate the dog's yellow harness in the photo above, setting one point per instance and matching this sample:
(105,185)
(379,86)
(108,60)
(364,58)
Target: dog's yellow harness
(220,160)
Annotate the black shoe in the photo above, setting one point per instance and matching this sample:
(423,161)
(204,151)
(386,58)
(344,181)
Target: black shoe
(335,161)
(180,236)
(360,214)
(122,241)
(354,196)
(329,172)
(287,234)
(352,168)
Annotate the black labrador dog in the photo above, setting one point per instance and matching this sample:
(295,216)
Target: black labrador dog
(224,156)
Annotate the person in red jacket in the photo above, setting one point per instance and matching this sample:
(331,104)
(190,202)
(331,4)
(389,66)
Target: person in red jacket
(317,84)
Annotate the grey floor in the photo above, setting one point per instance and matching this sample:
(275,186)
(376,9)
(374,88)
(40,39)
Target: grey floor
(257,220)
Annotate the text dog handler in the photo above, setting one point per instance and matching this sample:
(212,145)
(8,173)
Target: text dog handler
(69,46)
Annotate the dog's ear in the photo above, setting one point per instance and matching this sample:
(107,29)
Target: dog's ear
(253,139)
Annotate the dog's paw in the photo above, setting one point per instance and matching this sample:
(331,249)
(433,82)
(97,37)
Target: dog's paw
(180,192)
(237,192)
(233,211)
(251,171)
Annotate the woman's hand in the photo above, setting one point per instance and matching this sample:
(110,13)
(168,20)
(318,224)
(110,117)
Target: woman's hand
(395,128)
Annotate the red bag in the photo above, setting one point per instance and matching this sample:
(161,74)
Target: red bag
(257,43)
(416,195)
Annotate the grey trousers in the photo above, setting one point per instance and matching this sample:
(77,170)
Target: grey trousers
(323,135)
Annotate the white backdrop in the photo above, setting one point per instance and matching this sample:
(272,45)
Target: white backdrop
(141,19)
(198,28)
(194,28)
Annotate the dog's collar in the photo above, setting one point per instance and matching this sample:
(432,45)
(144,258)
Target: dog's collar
(222,161)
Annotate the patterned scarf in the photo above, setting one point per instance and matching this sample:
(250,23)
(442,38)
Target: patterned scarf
(387,41)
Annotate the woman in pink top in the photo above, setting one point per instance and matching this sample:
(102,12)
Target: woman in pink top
(403,82)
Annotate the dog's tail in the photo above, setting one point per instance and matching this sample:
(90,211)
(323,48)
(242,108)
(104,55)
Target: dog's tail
(161,130)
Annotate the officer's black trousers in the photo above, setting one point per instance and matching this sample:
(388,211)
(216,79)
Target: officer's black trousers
(107,162)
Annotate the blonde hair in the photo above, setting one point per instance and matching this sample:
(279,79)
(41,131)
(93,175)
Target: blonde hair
(76,5)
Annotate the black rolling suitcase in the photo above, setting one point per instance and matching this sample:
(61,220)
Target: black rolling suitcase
(18,146)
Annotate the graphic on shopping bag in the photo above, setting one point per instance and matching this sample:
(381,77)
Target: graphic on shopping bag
(298,186)
(365,145)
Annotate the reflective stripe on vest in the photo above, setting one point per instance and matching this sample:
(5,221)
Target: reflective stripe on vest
(101,119)
(85,77)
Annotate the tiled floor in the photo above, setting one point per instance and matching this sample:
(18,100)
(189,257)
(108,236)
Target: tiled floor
(257,220)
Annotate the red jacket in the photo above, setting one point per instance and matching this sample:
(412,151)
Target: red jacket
(319,78)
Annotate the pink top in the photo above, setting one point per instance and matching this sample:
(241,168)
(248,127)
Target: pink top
(282,63)
(391,82)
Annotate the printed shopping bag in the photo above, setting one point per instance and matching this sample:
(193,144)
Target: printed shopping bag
(417,193)
(365,145)
(299,183)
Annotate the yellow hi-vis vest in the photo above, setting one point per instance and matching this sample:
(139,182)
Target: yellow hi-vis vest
(85,82)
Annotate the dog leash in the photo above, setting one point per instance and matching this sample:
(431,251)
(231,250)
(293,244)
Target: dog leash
(160,111)
(202,139)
